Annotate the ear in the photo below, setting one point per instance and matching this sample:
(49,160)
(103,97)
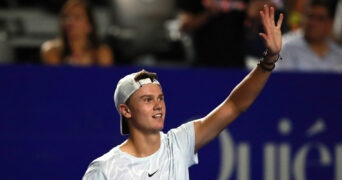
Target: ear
(125,111)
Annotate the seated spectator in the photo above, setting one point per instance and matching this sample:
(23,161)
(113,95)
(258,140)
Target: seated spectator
(314,50)
(78,43)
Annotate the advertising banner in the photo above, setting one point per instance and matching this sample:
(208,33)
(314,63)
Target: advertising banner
(55,120)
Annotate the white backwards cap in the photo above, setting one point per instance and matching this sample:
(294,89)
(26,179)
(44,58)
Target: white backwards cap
(124,89)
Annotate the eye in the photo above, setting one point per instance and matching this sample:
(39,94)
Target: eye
(161,98)
(147,99)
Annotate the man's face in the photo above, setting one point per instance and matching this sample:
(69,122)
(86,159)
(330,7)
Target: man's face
(147,108)
(317,24)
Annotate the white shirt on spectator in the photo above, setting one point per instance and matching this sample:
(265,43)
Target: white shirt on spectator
(298,56)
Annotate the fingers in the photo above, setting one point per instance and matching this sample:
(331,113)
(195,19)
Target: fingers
(263,35)
(272,33)
(267,14)
(266,10)
(262,15)
(272,15)
(280,20)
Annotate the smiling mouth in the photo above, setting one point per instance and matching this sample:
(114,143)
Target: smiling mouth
(157,116)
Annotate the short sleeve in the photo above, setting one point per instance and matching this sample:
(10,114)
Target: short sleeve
(183,140)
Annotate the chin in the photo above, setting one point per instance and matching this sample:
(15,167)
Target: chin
(160,128)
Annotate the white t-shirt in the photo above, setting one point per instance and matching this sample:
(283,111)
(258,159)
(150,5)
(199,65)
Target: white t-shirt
(171,161)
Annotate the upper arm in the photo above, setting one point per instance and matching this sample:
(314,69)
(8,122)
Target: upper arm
(207,128)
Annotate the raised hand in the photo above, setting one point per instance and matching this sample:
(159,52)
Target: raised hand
(272,35)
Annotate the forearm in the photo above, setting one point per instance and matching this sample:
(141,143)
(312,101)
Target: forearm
(245,93)
(242,96)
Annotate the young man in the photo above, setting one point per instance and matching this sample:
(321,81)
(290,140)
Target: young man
(148,152)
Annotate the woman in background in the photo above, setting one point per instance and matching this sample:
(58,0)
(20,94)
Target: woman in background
(78,43)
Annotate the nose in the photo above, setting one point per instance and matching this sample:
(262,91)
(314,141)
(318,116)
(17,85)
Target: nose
(158,105)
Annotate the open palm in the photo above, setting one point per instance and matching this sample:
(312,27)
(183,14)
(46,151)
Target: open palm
(272,35)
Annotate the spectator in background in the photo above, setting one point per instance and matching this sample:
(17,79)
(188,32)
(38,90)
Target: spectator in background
(217,31)
(78,43)
(315,50)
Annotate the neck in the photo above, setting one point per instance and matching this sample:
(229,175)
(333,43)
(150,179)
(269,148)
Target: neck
(140,145)
(77,44)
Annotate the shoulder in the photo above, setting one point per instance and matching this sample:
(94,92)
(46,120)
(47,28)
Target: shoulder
(51,51)
(51,46)
(292,35)
(99,166)
(335,48)
(188,126)
(107,157)
(295,43)
(104,48)
(105,55)
(295,47)
(184,133)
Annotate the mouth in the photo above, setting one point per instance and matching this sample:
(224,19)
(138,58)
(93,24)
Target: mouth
(159,115)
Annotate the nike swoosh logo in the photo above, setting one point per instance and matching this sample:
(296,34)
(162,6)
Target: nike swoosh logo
(150,175)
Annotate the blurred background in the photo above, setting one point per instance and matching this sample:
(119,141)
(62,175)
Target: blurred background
(138,31)
(26,25)
(153,32)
